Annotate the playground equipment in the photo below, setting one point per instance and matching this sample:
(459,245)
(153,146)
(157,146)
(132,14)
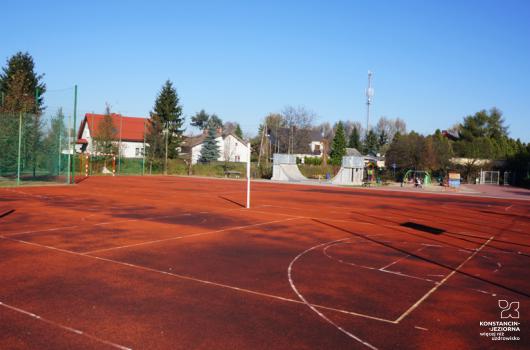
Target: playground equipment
(285,169)
(371,168)
(351,171)
(411,175)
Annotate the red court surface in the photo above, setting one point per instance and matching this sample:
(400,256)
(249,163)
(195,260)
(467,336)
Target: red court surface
(179,263)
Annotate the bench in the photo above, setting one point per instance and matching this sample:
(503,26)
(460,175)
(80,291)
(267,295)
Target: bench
(229,173)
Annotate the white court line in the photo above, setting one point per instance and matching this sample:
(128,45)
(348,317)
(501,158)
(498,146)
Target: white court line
(186,236)
(59,325)
(116,222)
(398,260)
(325,251)
(422,299)
(198,280)
(311,306)
(35,231)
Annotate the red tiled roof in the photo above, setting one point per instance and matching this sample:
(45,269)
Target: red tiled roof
(131,128)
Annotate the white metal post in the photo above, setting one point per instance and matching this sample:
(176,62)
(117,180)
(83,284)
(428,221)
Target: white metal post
(248,176)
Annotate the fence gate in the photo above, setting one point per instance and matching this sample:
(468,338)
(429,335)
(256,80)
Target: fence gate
(507,176)
(489,177)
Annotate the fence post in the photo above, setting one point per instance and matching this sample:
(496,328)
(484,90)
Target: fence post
(19,145)
(74,134)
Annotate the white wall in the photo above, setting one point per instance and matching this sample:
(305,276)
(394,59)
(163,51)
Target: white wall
(313,145)
(132,149)
(234,150)
(230,149)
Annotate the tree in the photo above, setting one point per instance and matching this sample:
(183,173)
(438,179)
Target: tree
(389,127)
(382,139)
(22,90)
(371,144)
(105,138)
(155,140)
(21,86)
(169,112)
(484,135)
(298,121)
(355,139)
(200,119)
(55,142)
(210,149)
(203,120)
(338,147)
(443,151)
(215,122)
(406,151)
(238,131)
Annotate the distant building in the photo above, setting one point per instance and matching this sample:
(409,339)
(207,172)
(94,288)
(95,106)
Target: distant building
(451,135)
(129,133)
(310,142)
(231,148)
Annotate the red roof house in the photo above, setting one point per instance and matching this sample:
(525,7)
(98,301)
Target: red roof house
(129,130)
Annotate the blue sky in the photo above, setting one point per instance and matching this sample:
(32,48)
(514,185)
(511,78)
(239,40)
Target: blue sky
(433,61)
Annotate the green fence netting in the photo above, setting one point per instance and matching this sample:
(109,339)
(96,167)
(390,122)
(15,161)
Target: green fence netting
(38,148)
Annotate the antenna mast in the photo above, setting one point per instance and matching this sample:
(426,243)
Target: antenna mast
(369,97)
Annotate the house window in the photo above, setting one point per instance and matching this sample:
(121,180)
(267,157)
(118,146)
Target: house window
(238,158)
(317,147)
(138,152)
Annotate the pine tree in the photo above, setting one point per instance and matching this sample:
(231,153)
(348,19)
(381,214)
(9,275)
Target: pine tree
(371,144)
(168,111)
(239,132)
(355,139)
(21,86)
(210,149)
(338,147)
(383,138)
(154,139)
(200,120)
(22,91)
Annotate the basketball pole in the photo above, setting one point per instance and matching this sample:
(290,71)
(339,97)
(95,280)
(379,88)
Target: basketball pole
(248,176)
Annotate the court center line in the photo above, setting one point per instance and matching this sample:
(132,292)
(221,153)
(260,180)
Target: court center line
(62,326)
(198,280)
(433,289)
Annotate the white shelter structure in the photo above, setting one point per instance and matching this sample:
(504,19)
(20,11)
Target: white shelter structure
(285,169)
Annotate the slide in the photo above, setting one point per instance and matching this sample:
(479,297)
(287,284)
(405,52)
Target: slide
(287,172)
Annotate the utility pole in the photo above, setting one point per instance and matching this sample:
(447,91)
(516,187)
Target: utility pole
(369,97)
(167,132)
(119,144)
(143,151)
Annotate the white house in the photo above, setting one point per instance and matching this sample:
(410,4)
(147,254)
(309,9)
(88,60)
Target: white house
(129,134)
(231,147)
